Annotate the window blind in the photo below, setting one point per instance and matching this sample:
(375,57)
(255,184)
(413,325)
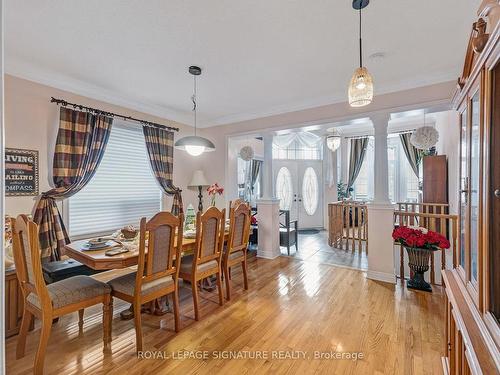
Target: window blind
(122,191)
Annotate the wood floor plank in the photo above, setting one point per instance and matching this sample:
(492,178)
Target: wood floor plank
(292,305)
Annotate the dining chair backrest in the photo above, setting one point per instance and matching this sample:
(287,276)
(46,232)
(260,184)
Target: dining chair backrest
(236,202)
(27,258)
(209,235)
(239,227)
(164,246)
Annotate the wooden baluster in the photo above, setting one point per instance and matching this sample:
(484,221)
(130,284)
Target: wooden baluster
(432,226)
(353,225)
(360,223)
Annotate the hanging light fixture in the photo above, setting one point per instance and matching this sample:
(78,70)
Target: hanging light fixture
(361,87)
(333,141)
(194,145)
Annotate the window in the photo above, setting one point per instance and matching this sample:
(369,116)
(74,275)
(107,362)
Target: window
(244,181)
(298,146)
(310,191)
(363,186)
(122,191)
(403,183)
(284,189)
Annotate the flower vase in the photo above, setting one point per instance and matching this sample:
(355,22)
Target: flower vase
(212,203)
(418,261)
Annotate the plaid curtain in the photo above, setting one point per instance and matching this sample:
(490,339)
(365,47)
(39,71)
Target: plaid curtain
(81,141)
(160,146)
(413,154)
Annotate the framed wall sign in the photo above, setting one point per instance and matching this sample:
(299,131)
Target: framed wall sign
(21,172)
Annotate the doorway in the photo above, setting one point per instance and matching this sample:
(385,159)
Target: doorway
(299,186)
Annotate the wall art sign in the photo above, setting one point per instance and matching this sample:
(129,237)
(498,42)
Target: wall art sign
(21,172)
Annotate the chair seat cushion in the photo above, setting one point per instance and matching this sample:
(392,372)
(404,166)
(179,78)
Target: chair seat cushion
(187,265)
(126,284)
(72,290)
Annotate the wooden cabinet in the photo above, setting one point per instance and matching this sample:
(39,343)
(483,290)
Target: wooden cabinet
(435,179)
(472,287)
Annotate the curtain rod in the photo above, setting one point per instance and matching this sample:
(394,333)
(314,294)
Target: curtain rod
(371,135)
(64,103)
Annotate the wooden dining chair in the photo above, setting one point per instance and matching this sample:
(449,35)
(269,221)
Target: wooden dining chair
(206,260)
(157,270)
(47,302)
(235,252)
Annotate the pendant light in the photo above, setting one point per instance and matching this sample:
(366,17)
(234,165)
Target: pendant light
(194,145)
(333,141)
(361,87)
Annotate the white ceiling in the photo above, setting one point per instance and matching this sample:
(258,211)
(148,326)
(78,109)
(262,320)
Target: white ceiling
(258,57)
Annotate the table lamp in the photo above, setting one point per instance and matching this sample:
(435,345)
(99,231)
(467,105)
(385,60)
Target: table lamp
(199,181)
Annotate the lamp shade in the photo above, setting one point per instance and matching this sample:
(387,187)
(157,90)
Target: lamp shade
(361,88)
(198,179)
(194,145)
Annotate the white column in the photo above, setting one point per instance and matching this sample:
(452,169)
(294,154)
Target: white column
(267,167)
(381,211)
(268,207)
(381,162)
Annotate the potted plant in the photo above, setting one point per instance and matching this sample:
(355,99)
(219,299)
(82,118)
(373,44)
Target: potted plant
(419,243)
(214,190)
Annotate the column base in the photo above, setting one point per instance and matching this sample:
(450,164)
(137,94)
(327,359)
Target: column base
(269,229)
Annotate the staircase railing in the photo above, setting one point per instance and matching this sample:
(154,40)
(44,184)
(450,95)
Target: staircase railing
(348,225)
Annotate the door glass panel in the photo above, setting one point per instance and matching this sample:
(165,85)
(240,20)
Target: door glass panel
(463,186)
(474,185)
(284,188)
(310,192)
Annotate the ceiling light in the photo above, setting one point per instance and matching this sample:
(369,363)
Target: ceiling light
(333,141)
(361,87)
(194,145)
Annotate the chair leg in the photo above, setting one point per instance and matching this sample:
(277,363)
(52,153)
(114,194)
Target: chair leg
(194,287)
(245,275)
(228,285)
(23,332)
(80,319)
(138,326)
(42,344)
(107,318)
(176,309)
(219,288)
(229,273)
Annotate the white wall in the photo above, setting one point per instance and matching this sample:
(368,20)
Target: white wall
(31,122)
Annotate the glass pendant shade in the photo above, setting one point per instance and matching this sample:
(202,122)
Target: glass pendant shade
(333,142)
(194,145)
(361,88)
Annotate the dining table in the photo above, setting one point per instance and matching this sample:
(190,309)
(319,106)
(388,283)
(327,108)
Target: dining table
(99,261)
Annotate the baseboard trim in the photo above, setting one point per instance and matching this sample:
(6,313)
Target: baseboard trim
(267,254)
(381,276)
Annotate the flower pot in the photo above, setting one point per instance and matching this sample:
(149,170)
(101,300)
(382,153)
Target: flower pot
(418,261)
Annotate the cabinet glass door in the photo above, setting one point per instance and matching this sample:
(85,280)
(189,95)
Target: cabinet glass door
(474,186)
(464,187)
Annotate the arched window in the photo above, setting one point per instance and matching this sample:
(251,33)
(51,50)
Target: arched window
(310,193)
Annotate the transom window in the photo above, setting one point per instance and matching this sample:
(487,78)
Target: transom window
(123,189)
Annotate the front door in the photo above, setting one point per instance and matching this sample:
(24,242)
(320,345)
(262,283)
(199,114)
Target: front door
(299,186)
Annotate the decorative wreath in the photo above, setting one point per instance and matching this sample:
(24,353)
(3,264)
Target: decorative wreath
(424,138)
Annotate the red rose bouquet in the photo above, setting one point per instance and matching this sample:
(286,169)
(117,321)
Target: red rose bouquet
(418,237)
(214,190)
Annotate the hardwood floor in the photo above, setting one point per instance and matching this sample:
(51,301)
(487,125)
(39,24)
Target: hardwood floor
(314,248)
(292,305)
